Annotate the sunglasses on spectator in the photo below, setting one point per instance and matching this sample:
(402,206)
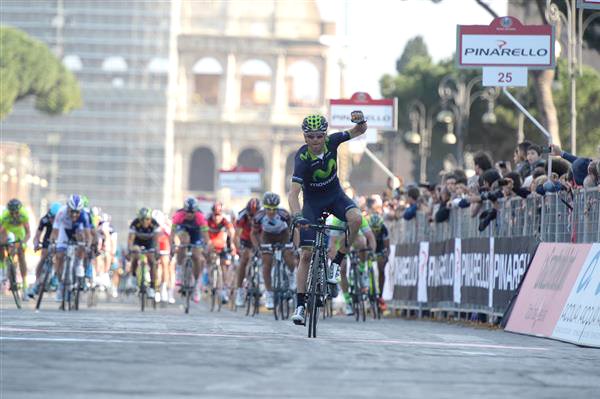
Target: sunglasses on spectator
(315,136)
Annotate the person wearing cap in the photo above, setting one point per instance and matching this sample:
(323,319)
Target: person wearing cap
(579,165)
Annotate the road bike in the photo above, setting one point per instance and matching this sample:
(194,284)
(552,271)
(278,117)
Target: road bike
(187,287)
(143,276)
(252,284)
(45,275)
(12,270)
(318,290)
(282,293)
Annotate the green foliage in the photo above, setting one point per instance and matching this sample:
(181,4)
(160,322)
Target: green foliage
(27,67)
(420,78)
(415,47)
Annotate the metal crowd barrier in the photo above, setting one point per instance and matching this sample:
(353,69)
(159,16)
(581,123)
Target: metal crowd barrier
(555,217)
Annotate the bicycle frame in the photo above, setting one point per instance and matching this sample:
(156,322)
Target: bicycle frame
(10,250)
(281,284)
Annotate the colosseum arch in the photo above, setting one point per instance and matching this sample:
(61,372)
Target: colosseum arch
(208,73)
(201,174)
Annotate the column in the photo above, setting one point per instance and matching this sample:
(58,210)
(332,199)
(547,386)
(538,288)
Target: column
(280,102)
(276,168)
(232,88)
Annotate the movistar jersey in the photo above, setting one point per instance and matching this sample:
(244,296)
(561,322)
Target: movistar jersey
(316,175)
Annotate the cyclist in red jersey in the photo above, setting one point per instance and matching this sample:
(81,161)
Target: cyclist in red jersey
(243,241)
(190,227)
(222,233)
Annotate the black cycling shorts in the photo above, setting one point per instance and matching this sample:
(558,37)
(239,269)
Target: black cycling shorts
(336,204)
(194,233)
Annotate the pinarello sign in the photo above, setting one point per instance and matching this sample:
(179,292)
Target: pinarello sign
(589,4)
(505,42)
(380,114)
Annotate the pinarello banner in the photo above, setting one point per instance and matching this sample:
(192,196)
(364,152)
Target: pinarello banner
(404,271)
(546,288)
(579,321)
(474,271)
(511,257)
(505,42)
(589,4)
(440,272)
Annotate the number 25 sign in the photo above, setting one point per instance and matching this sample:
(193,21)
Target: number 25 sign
(505,76)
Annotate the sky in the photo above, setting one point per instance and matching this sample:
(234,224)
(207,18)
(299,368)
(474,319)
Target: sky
(379,29)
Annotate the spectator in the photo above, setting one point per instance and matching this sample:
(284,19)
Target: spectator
(579,165)
(593,178)
(413,195)
(482,162)
(503,167)
(534,154)
(515,186)
(520,159)
(461,177)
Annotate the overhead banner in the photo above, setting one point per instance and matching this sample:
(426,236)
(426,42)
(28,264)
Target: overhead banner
(546,288)
(505,42)
(379,114)
(579,321)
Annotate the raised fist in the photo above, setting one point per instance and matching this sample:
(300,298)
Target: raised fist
(357,117)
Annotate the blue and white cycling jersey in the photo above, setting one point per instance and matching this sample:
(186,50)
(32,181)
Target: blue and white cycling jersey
(64,221)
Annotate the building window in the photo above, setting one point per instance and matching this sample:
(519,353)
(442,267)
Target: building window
(207,80)
(256,83)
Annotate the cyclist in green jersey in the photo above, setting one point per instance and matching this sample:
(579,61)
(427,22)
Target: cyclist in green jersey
(365,239)
(15,220)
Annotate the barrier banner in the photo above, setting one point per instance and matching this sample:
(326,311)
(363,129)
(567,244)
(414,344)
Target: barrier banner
(546,287)
(388,284)
(422,282)
(579,321)
(440,272)
(475,271)
(510,261)
(405,271)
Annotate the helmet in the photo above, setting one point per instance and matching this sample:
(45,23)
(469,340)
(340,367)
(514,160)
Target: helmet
(54,208)
(10,237)
(314,123)
(96,211)
(86,201)
(14,205)
(190,204)
(375,221)
(75,203)
(105,217)
(217,208)
(253,205)
(271,199)
(145,213)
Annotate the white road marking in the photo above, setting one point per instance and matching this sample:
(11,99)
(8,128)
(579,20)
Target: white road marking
(277,337)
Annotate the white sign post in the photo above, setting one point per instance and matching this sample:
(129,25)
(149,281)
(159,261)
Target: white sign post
(506,50)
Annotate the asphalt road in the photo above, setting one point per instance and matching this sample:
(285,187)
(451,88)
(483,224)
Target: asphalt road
(115,351)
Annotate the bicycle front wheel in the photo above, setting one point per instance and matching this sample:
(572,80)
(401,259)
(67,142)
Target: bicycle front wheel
(47,269)
(12,270)
(187,284)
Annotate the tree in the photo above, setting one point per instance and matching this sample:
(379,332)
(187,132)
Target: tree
(420,78)
(415,47)
(27,67)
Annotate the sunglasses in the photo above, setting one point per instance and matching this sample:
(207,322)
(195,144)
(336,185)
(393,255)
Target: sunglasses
(317,136)
(270,207)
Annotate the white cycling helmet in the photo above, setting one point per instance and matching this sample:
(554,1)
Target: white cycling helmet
(75,203)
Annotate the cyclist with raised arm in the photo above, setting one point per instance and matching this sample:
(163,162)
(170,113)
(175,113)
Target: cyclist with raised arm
(144,231)
(71,223)
(243,241)
(382,250)
(44,230)
(364,240)
(315,174)
(190,227)
(15,220)
(271,225)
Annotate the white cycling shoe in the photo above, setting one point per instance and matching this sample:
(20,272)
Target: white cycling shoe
(269,299)
(298,317)
(239,297)
(335,273)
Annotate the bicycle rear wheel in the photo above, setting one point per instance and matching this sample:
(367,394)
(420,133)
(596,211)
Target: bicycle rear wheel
(12,270)
(77,291)
(47,269)
(187,284)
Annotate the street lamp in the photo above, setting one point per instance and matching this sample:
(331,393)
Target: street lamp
(574,45)
(458,96)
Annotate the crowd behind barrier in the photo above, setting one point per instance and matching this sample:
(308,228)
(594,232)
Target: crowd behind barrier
(555,217)
(457,267)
